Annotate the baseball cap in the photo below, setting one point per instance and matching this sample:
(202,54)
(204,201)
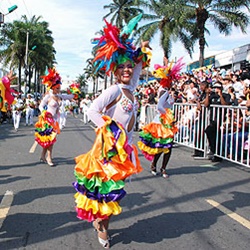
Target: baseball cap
(217,85)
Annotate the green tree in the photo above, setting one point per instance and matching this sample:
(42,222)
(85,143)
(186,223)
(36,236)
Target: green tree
(223,15)
(121,11)
(168,19)
(81,79)
(13,46)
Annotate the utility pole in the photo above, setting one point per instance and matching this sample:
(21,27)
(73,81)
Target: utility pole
(26,71)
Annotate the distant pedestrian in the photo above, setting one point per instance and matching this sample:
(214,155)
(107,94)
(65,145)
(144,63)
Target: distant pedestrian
(29,109)
(86,104)
(17,108)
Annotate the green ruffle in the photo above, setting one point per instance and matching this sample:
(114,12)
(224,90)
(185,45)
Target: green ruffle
(45,126)
(103,187)
(149,137)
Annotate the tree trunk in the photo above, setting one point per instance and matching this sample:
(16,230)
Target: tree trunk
(93,85)
(105,81)
(201,18)
(96,84)
(19,76)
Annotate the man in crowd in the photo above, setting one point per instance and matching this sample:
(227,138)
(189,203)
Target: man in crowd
(217,97)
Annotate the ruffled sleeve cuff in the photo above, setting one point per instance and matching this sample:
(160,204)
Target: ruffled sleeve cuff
(143,55)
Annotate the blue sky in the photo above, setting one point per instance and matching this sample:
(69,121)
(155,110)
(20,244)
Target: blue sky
(74,24)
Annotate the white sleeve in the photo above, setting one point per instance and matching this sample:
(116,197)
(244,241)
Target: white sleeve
(136,76)
(100,103)
(44,102)
(161,103)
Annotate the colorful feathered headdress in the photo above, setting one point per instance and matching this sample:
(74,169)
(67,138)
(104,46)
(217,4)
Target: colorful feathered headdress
(116,47)
(74,89)
(168,73)
(52,79)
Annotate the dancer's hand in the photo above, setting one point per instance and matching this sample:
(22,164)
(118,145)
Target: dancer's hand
(145,44)
(10,76)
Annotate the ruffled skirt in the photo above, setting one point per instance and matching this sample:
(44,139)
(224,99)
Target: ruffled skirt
(157,136)
(100,173)
(46,129)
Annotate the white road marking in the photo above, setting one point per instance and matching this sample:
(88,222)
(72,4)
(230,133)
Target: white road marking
(33,147)
(5,206)
(244,222)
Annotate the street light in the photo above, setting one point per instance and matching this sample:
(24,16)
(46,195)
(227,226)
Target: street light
(10,9)
(26,71)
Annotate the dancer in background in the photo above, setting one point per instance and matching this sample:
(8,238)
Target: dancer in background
(157,137)
(101,172)
(29,109)
(86,104)
(6,92)
(17,108)
(47,126)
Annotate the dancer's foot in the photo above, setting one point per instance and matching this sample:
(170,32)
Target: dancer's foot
(43,160)
(50,163)
(153,170)
(103,237)
(164,173)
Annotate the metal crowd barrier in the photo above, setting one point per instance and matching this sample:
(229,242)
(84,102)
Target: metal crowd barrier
(230,126)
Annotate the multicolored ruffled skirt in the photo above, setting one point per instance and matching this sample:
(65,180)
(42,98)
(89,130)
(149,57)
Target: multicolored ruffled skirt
(157,136)
(100,173)
(46,129)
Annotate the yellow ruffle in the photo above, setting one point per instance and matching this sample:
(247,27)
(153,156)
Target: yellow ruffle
(108,141)
(46,138)
(151,151)
(103,208)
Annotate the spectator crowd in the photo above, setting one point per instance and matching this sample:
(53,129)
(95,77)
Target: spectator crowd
(202,87)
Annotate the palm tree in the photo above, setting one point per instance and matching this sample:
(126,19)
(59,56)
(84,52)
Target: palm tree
(223,15)
(121,11)
(13,46)
(81,79)
(90,73)
(168,19)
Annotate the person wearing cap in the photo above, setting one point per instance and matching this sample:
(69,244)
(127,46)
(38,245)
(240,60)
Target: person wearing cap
(101,172)
(47,126)
(30,105)
(216,117)
(86,102)
(199,123)
(17,108)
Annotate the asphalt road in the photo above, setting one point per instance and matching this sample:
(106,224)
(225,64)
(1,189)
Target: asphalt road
(202,205)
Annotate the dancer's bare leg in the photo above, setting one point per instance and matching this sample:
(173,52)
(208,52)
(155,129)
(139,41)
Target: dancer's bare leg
(49,156)
(43,154)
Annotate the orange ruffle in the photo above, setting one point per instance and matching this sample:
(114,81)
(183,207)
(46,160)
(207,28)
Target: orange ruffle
(158,131)
(118,168)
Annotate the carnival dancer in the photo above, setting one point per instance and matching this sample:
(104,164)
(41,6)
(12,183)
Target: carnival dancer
(157,136)
(101,172)
(6,94)
(17,108)
(29,109)
(47,126)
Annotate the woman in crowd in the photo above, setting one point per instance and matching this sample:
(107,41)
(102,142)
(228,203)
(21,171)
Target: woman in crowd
(47,126)
(157,137)
(101,172)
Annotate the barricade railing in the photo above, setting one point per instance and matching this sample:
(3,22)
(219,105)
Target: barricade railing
(228,125)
